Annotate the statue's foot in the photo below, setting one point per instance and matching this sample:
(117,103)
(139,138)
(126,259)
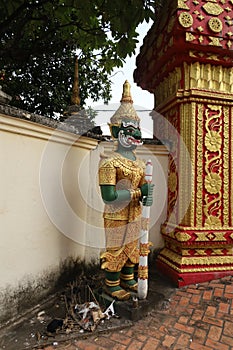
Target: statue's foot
(119,293)
(130,285)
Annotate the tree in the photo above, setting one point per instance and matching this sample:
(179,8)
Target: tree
(39,39)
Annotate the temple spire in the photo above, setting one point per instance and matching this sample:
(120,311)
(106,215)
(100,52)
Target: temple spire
(126,95)
(75,99)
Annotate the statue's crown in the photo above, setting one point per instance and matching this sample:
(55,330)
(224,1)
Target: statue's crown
(126,110)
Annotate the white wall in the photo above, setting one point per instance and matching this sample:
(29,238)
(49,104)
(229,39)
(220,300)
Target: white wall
(39,202)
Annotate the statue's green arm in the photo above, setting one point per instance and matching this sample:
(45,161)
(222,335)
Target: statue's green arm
(110,194)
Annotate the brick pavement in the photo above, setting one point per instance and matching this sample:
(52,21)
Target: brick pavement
(198,317)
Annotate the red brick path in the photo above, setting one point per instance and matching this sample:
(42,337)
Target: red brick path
(198,317)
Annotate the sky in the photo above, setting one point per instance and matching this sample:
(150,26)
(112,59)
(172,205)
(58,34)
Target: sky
(143,100)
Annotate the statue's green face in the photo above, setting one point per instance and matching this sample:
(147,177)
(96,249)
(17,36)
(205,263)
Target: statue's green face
(128,134)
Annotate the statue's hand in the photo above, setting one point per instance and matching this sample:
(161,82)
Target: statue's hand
(147,194)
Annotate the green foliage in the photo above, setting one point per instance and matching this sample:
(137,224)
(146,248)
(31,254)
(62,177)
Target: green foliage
(44,84)
(92,113)
(39,39)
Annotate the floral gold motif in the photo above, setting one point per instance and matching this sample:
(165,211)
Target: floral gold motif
(213,162)
(185,19)
(214,41)
(200,17)
(213,141)
(182,5)
(144,248)
(199,205)
(228,21)
(215,24)
(212,222)
(189,36)
(115,260)
(200,38)
(182,236)
(213,9)
(106,176)
(213,183)
(226,168)
(172,182)
(143,272)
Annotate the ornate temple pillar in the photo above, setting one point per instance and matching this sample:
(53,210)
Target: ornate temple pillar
(187,62)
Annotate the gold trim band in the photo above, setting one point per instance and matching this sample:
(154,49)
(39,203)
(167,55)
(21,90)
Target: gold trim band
(127,277)
(112,283)
(143,272)
(135,194)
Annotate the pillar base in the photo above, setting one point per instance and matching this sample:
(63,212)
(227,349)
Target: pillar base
(182,279)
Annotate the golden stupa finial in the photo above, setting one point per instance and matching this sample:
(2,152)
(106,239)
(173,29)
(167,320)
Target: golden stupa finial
(126,109)
(126,95)
(75,99)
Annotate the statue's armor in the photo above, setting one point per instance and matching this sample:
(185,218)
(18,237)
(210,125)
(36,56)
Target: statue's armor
(122,220)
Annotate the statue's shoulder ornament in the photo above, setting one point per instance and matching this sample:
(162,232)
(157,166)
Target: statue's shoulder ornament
(107,161)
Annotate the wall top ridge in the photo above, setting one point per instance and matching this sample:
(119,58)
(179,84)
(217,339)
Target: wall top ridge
(24,127)
(53,124)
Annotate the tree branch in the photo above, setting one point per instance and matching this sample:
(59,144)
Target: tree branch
(18,12)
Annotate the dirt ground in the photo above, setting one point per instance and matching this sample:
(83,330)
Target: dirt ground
(30,331)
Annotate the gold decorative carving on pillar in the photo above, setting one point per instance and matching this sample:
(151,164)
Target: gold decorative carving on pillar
(172,181)
(213,166)
(182,5)
(199,165)
(213,9)
(231,166)
(189,36)
(229,21)
(168,86)
(215,41)
(200,17)
(197,100)
(185,19)
(215,24)
(200,39)
(206,76)
(226,167)
(185,157)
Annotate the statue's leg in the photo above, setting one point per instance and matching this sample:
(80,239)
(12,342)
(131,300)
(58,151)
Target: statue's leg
(115,257)
(112,286)
(127,277)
